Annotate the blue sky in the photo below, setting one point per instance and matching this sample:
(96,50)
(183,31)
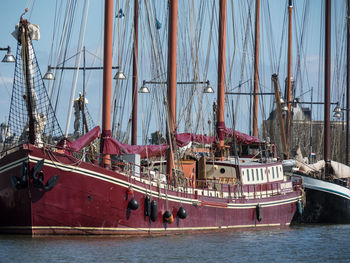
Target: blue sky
(42,12)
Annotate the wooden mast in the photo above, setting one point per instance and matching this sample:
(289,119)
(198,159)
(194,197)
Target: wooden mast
(289,73)
(107,77)
(327,85)
(256,68)
(347,161)
(172,41)
(279,115)
(220,125)
(135,75)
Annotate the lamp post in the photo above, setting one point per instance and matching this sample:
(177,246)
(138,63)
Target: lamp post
(8,58)
(207,88)
(50,76)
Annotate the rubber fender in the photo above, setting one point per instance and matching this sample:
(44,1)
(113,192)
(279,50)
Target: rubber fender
(133,204)
(147,209)
(154,211)
(300,207)
(258,212)
(168,217)
(181,213)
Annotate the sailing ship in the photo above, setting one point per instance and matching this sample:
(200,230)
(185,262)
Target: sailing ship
(326,182)
(51,185)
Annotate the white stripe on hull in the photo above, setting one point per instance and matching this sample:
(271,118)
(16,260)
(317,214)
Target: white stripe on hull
(125,184)
(324,186)
(125,229)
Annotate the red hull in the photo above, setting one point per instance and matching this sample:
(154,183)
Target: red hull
(91,200)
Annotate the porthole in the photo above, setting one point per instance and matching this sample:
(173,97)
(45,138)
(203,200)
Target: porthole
(222,170)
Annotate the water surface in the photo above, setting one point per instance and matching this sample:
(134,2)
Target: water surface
(325,243)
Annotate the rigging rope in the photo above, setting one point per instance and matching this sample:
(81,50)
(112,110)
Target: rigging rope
(77,63)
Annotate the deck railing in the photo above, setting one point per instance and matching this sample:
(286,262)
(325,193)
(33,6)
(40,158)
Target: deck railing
(188,186)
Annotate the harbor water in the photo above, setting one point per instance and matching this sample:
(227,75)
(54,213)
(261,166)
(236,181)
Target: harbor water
(304,243)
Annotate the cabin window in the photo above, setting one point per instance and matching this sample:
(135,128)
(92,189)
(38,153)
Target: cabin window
(262,174)
(222,170)
(248,175)
(273,173)
(277,174)
(253,175)
(257,174)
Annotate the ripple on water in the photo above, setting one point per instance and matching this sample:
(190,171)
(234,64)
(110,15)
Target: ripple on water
(321,243)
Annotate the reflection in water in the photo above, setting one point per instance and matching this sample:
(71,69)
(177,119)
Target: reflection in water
(300,243)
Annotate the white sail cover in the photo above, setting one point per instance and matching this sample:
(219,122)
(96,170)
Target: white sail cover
(34,32)
(340,170)
(309,168)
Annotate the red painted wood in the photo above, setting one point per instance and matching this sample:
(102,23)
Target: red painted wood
(79,203)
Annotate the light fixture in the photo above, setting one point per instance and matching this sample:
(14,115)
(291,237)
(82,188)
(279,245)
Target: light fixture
(9,57)
(143,88)
(119,75)
(208,88)
(337,109)
(337,115)
(49,75)
(285,108)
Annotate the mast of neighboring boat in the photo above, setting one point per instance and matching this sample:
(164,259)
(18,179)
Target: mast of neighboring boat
(327,85)
(220,124)
(107,77)
(312,92)
(172,41)
(256,68)
(279,115)
(347,161)
(135,75)
(289,69)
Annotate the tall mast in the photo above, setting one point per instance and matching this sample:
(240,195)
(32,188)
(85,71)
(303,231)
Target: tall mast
(135,75)
(289,69)
(220,125)
(347,162)
(256,68)
(279,114)
(327,83)
(107,76)
(172,40)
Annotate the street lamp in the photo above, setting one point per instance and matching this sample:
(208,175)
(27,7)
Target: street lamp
(8,57)
(207,88)
(49,75)
(337,111)
(284,106)
(119,75)
(143,88)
